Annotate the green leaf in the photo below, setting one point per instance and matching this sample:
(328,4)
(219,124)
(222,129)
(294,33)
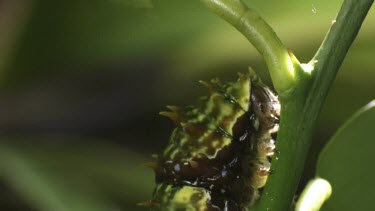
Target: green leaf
(75,176)
(136,3)
(347,163)
(316,192)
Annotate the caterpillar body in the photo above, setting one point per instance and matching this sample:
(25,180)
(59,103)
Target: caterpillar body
(218,156)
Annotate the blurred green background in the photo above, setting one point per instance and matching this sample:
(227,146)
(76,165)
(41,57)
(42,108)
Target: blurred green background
(81,84)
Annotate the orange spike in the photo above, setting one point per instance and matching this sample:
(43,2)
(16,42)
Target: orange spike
(216,81)
(193,129)
(186,125)
(242,76)
(152,165)
(209,86)
(174,108)
(193,164)
(148,204)
(263,173)
(171,115)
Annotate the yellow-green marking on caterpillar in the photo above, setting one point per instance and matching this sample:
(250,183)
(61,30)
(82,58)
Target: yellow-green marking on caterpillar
(219,154)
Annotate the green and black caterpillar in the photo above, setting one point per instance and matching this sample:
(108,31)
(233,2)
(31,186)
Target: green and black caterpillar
(218,156)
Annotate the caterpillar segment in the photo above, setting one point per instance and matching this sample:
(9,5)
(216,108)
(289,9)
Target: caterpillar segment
(219,155)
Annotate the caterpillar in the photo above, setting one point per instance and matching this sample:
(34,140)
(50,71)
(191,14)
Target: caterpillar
(219,155)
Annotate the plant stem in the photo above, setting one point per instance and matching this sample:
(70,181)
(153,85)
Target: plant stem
(301,95)
(261,35)
(302,105)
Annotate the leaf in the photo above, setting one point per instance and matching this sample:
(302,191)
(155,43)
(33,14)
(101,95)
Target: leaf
(136,3)
(76,177)
(316,192)
(347,163)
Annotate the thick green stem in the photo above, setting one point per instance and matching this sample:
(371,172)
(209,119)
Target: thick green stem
(302,105)
(261,35)
(302,95)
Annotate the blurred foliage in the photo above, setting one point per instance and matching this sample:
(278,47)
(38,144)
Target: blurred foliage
(81,85)
(74,176)
(345,161)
